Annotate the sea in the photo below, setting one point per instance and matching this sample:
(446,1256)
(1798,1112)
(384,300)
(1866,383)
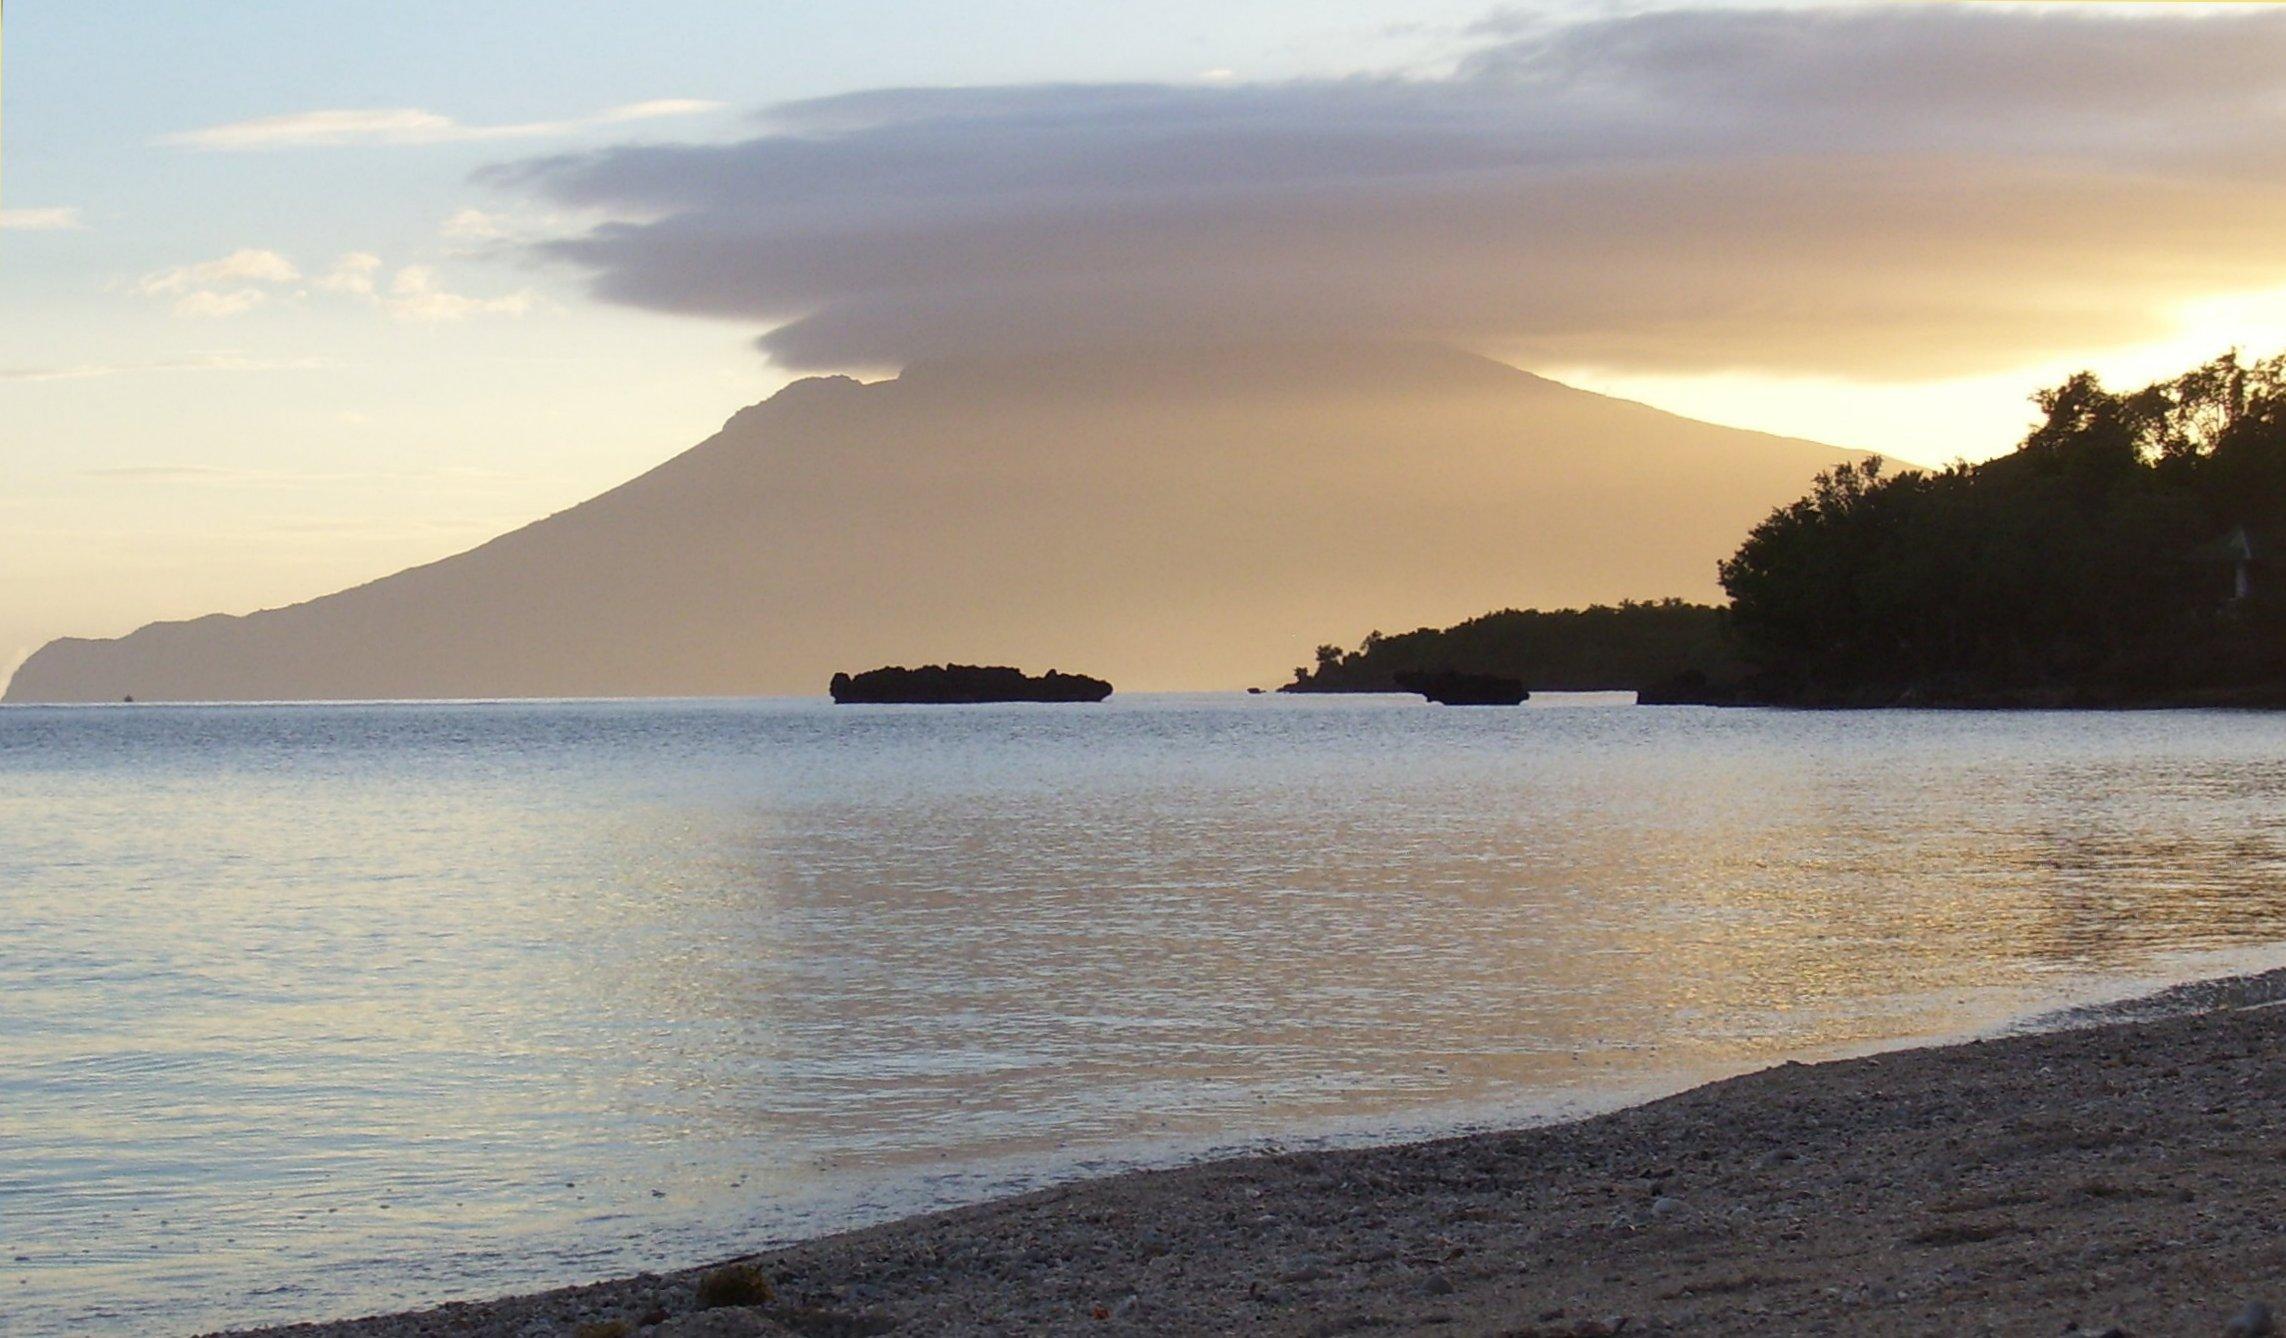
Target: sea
(309,1011)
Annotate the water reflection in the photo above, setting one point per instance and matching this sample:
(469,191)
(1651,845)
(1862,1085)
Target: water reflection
(375,1005)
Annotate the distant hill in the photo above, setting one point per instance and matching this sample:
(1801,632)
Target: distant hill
(1172,518)
(1604,648)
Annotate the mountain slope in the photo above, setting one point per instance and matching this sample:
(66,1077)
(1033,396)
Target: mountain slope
(1166,518)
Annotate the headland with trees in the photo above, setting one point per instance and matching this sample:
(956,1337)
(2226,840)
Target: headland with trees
(2127,553)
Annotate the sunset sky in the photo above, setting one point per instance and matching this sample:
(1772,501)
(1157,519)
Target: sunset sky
(301,294)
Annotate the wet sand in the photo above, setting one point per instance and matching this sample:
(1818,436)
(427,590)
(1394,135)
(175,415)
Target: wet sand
(2124,1174)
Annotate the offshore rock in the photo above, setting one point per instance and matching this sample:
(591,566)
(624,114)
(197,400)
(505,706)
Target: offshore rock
(1450,688)
(955,684)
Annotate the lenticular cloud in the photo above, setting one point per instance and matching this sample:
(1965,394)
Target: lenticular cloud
(1869,192)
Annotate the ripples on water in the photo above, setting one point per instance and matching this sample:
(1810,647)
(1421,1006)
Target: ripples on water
(311,1011)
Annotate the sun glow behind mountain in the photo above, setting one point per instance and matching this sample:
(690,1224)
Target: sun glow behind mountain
(1168,516)
(287,334)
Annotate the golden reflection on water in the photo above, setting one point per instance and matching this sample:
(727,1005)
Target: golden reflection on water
(382,1004)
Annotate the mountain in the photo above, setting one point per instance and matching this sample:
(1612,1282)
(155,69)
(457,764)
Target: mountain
(1166,518)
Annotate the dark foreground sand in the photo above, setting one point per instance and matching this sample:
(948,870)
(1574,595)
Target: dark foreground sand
(2131,1174)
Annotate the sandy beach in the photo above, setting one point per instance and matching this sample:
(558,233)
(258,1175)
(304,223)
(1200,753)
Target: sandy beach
(2122,1175)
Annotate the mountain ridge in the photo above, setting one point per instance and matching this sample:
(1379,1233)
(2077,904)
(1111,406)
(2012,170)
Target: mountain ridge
(1180,517)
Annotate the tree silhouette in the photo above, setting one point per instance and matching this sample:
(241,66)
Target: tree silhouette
(2088,564)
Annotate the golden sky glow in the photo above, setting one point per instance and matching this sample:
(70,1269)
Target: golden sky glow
(276,334)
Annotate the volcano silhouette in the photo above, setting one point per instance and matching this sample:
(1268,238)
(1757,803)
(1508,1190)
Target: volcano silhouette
(1168,518)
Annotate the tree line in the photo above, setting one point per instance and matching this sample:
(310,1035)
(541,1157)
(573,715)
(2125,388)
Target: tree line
(2125,553)
(1624,646)
(2122,553)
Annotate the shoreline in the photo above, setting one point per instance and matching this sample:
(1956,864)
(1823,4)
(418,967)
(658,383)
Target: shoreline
(2119,1172)
(1941,697)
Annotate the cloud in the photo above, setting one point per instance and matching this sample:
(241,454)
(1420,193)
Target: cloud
(244,265)
(475,225)
(217,305)
(39,220)
(211,362)
(339,127)
(352,274)
(494,234)
(415,295)
(213,474)
(247,279)
(651,111)
(215,289)
(169,474)
(1863,191)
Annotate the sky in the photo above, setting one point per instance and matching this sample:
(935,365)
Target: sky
(299,294)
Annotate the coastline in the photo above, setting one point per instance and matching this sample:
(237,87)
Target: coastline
(2119,1173)
(1685,691)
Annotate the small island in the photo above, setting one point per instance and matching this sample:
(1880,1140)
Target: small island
(962,684)
(1601,648)
(1449,687)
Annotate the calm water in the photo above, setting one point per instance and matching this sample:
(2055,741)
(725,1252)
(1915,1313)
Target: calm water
(308,1011)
